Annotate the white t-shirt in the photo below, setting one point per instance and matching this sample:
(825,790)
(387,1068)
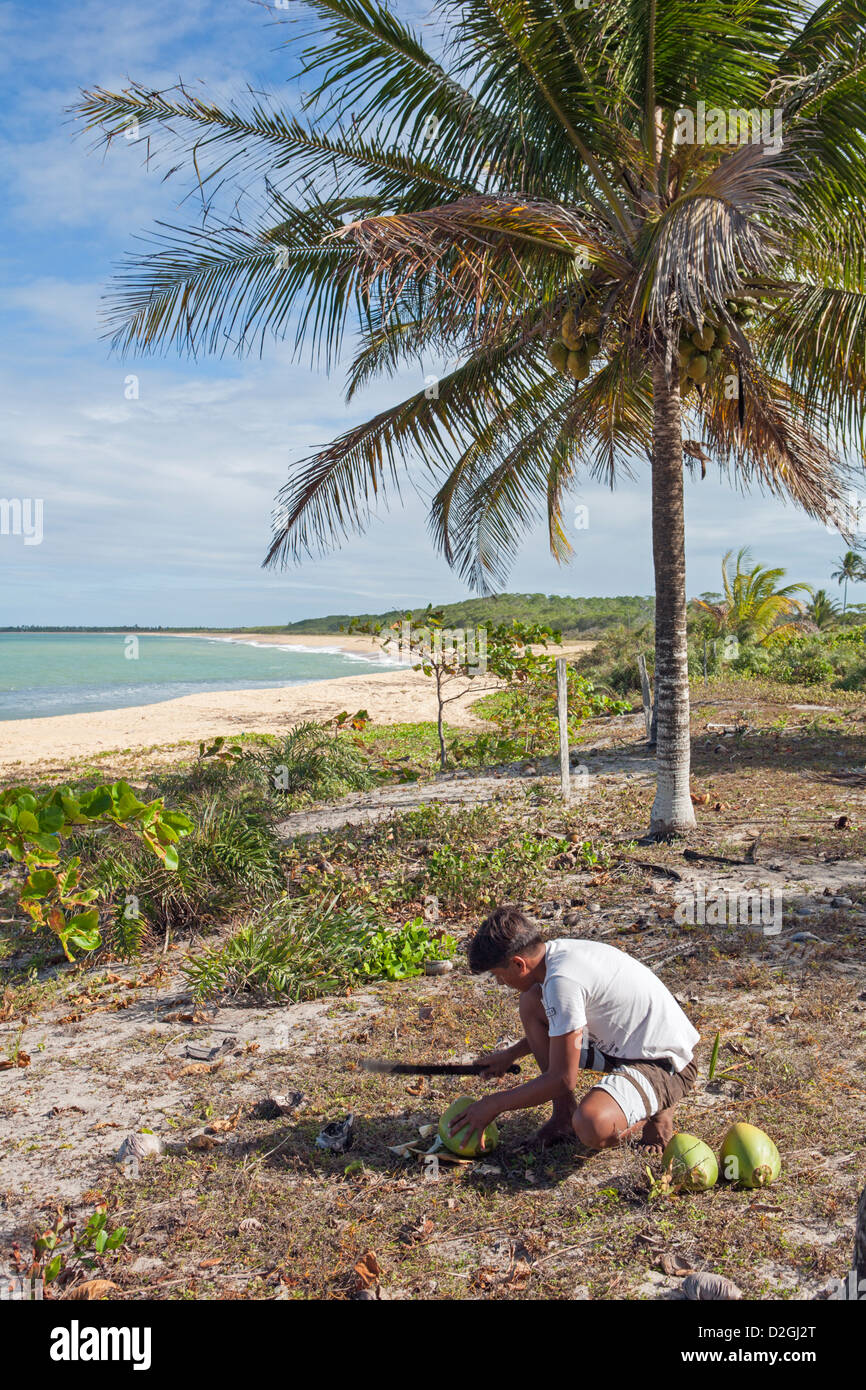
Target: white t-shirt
(625,1008)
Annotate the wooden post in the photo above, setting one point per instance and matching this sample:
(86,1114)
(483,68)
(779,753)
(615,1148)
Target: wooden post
(562,712)
(646,696)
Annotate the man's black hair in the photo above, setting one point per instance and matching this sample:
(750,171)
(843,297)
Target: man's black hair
(505,933)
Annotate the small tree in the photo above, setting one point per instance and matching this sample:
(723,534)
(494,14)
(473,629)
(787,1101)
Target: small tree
(851,567)
(822,611)
(449,656)
(753,607)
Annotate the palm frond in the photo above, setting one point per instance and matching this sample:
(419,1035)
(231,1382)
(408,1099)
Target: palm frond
(773,448)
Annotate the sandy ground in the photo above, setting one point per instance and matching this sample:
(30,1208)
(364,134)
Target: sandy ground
(400,696)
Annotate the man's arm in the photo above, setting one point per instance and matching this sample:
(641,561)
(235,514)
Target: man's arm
(561,1077)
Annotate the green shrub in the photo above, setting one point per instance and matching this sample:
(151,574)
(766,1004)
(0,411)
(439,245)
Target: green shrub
(525,714)
(296,949)
(612,663)
(309,762)
(231,853)
(37,828)
(803,661)
(400,955)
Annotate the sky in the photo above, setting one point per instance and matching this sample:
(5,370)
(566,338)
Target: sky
(156,493)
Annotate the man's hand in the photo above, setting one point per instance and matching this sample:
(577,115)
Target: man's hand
(496,1063)
(477,1117)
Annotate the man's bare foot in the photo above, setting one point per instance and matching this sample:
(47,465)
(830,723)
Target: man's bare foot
(557,1130)
(657,1132)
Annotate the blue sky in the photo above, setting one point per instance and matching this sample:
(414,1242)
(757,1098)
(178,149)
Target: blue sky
(157,510)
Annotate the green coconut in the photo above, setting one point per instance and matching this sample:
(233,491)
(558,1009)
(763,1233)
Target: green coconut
(592,347)
(716,356)
(749,1157)
(723,336)
(687,350)
(691,1162)
(578,365)
(456,1142)
(705,339)
(557,354)
(698,368)
(569,333)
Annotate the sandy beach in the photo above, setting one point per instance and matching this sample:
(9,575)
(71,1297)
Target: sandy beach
(50,745)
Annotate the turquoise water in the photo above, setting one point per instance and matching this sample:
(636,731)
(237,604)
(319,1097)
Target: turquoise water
(68,673)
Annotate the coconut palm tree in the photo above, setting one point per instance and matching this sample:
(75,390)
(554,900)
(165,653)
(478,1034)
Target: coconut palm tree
(620,223)
(752,606)
(822,611)
(850,567)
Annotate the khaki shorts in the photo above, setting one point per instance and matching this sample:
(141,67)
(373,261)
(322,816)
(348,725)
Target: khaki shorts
(640,1088)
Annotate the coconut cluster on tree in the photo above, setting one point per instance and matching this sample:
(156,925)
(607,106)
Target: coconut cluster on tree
(702,350)
(578,343)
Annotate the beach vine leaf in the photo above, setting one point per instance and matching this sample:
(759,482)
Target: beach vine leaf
(32,824)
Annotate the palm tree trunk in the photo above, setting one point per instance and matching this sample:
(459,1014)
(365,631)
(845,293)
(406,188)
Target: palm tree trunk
(672,810)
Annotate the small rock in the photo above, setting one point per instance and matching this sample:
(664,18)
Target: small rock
(842,902)
(140,1146)
(703,1287)
(595,907)
(203,1141)
(438,967)
(146,1264)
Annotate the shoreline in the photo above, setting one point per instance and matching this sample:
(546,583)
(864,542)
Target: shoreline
(345,643)
(47,745)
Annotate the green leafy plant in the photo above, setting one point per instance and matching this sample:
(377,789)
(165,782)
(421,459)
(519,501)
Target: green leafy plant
(359,720)
(63,1251)
(231,854)
(400,955)
(218,750)
(467,878)
(32,824)
(298,949)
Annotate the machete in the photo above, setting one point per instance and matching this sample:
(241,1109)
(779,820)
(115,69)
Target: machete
(427,1068)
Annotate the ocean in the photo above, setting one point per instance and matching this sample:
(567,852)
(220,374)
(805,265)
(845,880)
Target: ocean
(68,673)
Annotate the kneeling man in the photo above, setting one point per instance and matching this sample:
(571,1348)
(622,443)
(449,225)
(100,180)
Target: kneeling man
(585,1006)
